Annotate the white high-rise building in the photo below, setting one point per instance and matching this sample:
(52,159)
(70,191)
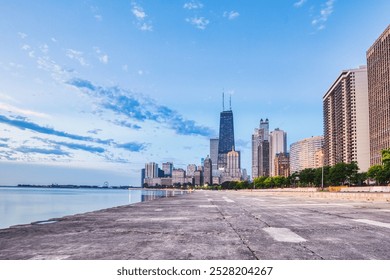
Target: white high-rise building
(260,150)
(151,170)
(278,144)
(346,120)
(304,153)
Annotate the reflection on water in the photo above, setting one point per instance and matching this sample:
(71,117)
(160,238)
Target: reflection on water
(27,205)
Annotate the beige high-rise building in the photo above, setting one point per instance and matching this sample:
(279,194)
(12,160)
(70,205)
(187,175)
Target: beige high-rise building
(378,71)
(278,144)
(303,153)
(233,165)
(346,124)
(282,165)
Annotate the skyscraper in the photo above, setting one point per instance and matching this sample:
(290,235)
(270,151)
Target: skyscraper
(260,150)
(378,71)
(346,124)
(278,144)
(207,174)
(226,137)
(233,165)
(151,170)
(304,153)
(167,167)
(214,154)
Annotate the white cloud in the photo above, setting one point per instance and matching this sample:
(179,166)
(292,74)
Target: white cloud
(198,22)
(103,59)
(26,47)
(98,17)
(193,5)
(44,48)
(138,12)
(141,16)
(57,72)
(54,40)
(146,27)
(13,109)
(125,67)
(76,55)
(22,35)
(299,3)
(231,15)
(320,20)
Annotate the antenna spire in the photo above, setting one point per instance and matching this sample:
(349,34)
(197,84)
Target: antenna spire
(223,100)
(230,102)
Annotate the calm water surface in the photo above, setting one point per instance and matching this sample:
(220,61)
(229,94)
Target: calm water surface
(27,205)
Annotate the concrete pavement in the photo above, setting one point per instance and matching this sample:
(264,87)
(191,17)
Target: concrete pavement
(212,225)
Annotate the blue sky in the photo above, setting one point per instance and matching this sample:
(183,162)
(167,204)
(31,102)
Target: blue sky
(91,90)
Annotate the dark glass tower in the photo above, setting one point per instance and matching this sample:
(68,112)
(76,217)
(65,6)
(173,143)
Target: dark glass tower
(226,137)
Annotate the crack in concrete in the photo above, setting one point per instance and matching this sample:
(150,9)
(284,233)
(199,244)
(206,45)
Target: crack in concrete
(238,234)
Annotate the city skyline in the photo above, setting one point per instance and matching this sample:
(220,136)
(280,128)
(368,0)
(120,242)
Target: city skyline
(93,95)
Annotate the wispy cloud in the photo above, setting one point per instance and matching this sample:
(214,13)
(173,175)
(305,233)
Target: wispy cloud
(231,15)
(193,5)
(127,124)
(132,146)
(76,146)
(141,16)
(54,151)
(326,10)
(13,109)
(198,22)
(76,55)
(103,58)
(299,3)
(22,35)
(21,123)
(140,108)
(96,14)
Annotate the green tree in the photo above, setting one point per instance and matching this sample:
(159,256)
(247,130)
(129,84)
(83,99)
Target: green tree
(307,177)
(379,173)
(343,173)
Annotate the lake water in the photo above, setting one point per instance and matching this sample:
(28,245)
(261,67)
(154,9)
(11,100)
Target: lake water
(26,205)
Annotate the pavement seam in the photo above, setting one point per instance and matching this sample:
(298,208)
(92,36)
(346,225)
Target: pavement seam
(314,253)
(238,234)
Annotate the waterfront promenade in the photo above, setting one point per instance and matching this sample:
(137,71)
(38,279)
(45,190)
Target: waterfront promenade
(212,225)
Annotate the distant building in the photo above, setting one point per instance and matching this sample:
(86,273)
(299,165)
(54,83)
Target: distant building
(260,150)
(226,137)
(142,177)
(303,153)
(278,144)
(378,68)
(178,176)
(214,154)
(198,178)
(282,165)
(167,167)
(233,166)
(346,120)
(151,170)
(191,168)
(208,171)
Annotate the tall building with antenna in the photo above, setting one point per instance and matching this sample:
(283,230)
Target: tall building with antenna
(226,134)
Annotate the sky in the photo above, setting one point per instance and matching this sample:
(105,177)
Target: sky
(90,91)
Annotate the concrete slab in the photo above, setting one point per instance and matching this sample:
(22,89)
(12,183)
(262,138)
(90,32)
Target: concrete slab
(192,227)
